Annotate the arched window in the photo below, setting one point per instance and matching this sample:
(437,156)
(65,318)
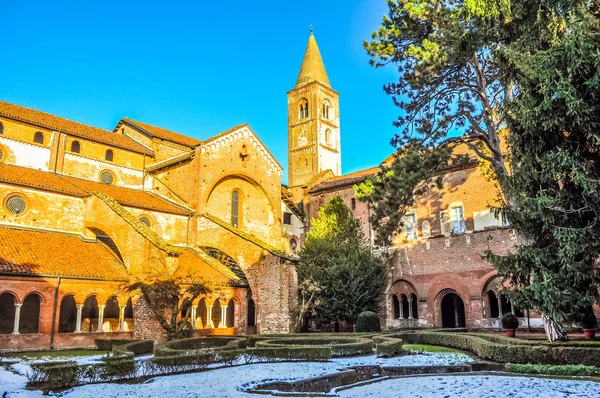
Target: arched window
(7,313)
(109,155)
(75,147)
(235,208)
(230,314)
(493,305)
(68,315)
(251,313)
(30,314)
(395,307)
(415,305)
(404,303)
(426,229)
(326,107)
(328,137)
(38,138)
(303,109)
(1,128)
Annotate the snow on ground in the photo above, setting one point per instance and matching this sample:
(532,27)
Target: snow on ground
(475,386)
(235,381)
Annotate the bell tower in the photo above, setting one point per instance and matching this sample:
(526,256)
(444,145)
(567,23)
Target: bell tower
(313,121)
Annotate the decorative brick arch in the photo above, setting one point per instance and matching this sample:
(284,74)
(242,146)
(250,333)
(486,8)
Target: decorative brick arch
(243,176)
(437,306)
(402,286)
(14,294)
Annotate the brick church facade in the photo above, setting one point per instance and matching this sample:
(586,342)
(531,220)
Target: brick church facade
(85,212)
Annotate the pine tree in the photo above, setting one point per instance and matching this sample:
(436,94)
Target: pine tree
(336,257)
(555,125)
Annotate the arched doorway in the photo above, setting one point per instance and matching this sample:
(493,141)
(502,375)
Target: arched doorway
(251,320)
(30,314)
(7,313)
(404,304)
(453,311)
(89,315)
(493,305)
(201,315)
(111,315)
(216,314)
(67,322)
(230,314)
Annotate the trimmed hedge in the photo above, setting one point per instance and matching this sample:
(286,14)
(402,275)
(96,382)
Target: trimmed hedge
(388,345)
(338,346)
(305,353)
(500,350)
(108,345)
(368,321)
(553,370)
(137,347)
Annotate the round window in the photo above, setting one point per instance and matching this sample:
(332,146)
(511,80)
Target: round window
(16,205)
(1,154)
(145,221)
(293,244)
(107,177)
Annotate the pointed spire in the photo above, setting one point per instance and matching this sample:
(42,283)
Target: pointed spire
(312,68)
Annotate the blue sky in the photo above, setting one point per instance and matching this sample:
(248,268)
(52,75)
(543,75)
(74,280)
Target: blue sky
(195,67)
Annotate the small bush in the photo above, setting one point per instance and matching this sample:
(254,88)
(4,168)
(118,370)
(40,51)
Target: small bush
(306,353)
(554,370)
(510,321)
(368,321)
(54,375)
(338,346)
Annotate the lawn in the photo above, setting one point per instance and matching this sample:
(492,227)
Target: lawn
(54,354)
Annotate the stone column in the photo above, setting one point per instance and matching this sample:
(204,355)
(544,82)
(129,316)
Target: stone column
(193,317)
(17,318)
(512,307)
(410,309)
(79,311)
(101,308)
(223,317)
(499,306)
(122,318)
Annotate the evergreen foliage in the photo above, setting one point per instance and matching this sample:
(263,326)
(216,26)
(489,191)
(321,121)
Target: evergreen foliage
(555,120)
(367,321)
(337,258)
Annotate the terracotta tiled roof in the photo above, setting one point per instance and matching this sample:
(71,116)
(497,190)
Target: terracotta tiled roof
(346,179)
(128,196)
(52,122)
(38,179)
(79,187)
(34,252)
(164,134)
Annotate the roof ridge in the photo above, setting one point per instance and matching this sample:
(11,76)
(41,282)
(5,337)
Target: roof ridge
(245,235)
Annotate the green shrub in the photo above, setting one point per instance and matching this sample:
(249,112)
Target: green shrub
(388,346)
(495,349)
(137,347)
(554,370)
(339,346)
(54,375)
(120,367)
(107,345)
(306,353)
(510,321)
(588,320)
(367,321)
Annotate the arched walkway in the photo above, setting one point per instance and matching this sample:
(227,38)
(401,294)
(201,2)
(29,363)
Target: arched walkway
(7,313)
(201,315)
(216,314)
(30,314)
(111,315)
(67,322)
(89,315)
(251,313)
(453,311)
(395,307)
